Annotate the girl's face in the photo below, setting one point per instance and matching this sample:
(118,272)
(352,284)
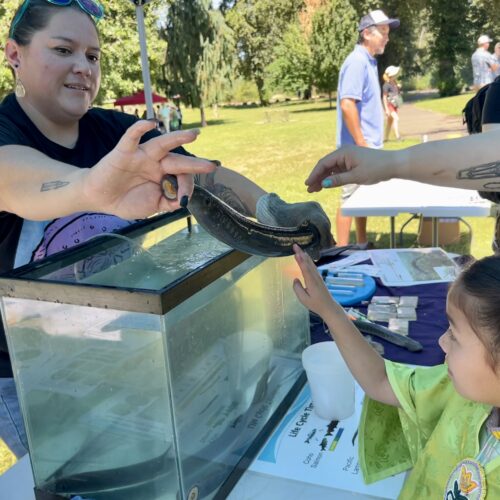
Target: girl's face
(467,358)
(60,68)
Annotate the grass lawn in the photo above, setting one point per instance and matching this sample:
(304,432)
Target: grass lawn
(277,147)
(446,105)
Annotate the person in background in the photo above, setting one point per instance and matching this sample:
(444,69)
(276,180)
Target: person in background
(484,64)
(496,55)
(443,422)
(174,118)
(159,121)
(392,100)
(360,116)
(71,171)
(164,116)
(179,115)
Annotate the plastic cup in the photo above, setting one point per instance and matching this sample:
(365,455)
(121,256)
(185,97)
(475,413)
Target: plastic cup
(330,381)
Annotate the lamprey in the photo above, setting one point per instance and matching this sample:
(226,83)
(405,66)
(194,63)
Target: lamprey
(239,232)
(388,335)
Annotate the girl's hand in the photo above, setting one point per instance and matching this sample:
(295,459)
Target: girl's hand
(315,296)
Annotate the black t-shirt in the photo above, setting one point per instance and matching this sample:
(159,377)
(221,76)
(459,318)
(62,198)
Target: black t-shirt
(99,132)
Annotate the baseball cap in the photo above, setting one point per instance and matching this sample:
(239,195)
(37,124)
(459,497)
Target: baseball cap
(392,70)
(484,39)
(376,18)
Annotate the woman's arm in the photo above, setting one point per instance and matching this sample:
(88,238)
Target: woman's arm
(126,182)
(471,162)
(366,365)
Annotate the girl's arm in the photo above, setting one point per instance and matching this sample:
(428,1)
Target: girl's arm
(366,365)
(386,104)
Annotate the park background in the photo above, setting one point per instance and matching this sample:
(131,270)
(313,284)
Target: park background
(259,76)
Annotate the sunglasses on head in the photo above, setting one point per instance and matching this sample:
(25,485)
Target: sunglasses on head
(92,7)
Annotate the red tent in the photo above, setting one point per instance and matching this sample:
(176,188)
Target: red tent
(138,98)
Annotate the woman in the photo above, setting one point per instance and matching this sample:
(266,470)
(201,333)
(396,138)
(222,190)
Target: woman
(391,97)
(64,164)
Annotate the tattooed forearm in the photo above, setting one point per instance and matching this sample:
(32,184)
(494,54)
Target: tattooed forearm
(49,186)
(225,193)
(486,171)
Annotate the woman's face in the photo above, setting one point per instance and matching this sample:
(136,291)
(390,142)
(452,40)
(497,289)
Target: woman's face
(60,68)
(467,360)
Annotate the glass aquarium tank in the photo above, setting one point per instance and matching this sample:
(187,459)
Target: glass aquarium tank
(152,363)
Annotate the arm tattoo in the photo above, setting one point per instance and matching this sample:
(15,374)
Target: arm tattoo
(50,186)
(225,193)
(485,171)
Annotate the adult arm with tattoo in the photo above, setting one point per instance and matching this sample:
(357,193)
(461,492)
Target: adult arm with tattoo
(471,162)
(126,182)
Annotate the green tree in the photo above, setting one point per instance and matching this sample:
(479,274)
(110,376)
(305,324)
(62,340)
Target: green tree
(7,9)
(484,17)
(333,37)
(291,69)
(216,67)
(121,64)
(199,55)
(449,46)
(259,26)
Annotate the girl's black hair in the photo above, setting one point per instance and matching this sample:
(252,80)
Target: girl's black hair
(36,16)
(476,292)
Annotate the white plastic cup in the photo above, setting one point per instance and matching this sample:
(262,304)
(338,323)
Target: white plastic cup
(330,381)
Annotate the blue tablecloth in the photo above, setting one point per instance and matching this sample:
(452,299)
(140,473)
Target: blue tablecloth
(430,325)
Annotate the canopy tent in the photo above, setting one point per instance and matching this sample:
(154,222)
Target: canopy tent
(138,98)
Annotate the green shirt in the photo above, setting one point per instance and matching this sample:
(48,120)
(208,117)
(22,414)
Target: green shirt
(434,429)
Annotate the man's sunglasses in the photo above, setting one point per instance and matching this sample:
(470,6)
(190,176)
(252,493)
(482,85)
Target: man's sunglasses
(91,7)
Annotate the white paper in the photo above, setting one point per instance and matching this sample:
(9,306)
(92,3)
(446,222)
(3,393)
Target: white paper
(351,260)
(308,449)
(407,267)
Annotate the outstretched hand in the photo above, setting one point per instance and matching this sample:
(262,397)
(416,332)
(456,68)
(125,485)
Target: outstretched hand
(353,165)
(313,294)
(126,182)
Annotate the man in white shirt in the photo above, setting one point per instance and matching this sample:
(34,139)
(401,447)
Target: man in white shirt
(484,64)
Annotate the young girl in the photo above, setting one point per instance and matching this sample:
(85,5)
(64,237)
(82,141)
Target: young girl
(443,422)
(391,98)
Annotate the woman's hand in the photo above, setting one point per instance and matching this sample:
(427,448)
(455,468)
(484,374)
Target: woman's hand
(126,182)
(314,295)
(356,165)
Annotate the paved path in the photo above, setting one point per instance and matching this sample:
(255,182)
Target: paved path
(416,122)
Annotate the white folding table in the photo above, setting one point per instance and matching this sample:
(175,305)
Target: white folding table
(390,198)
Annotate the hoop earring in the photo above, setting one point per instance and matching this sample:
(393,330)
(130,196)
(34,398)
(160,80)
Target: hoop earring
(20,91)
